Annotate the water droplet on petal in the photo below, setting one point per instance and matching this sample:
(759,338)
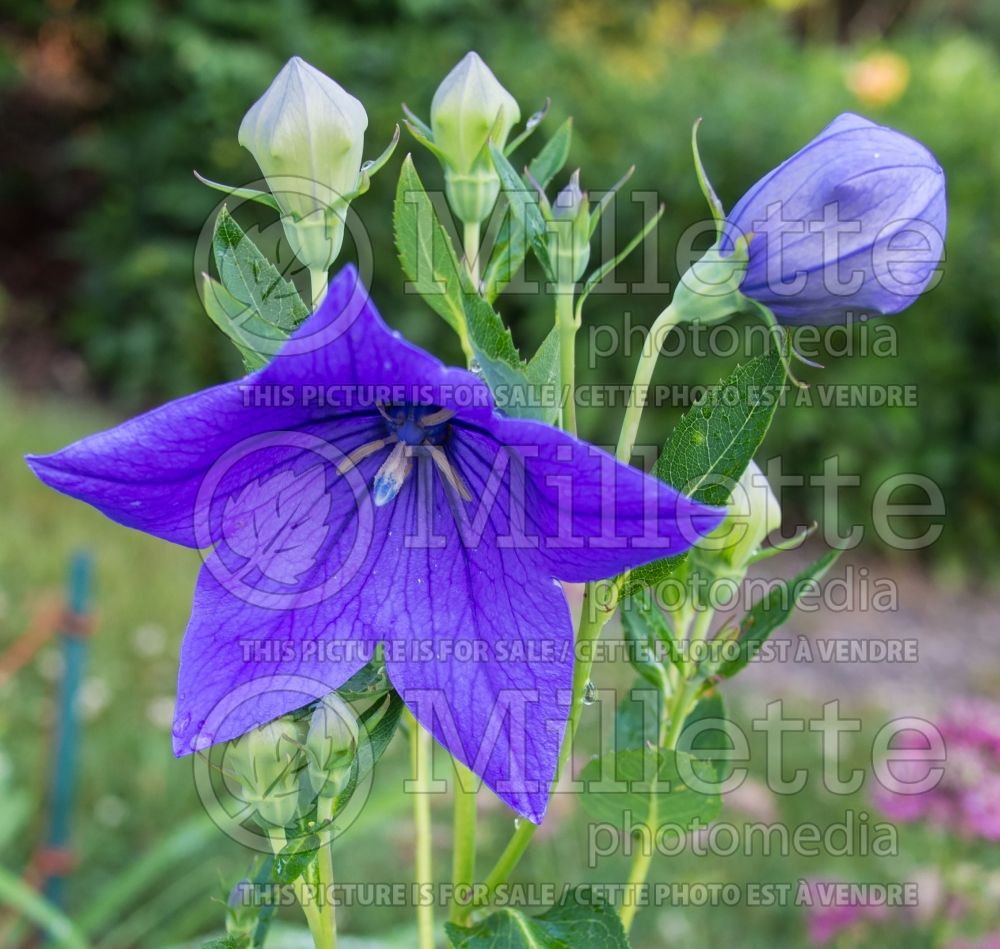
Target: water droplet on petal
(589,693)
(517,823)
(180,726)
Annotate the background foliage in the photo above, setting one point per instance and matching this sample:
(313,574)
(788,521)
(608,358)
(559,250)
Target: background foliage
(107,107)
(110,106)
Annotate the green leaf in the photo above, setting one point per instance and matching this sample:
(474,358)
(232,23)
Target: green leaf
(578,921)
(433,269)
(250,277)
(255,306)
(426,251)
(295,859)
(253,337)
(710,710)
(772,610)
(534,120)
(524,217)
(370,681)
(622,781)
(609,196)
(637,718)
(649,637)
(713,444)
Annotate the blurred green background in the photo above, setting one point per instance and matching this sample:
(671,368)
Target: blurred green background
(107,107)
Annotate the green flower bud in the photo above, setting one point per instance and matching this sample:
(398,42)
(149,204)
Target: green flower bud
(569,232)
(242,912)
(331,744)
(753,512)
(267,762)
(469,107)
(307,135)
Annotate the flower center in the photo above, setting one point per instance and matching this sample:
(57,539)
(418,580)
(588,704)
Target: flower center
(417,425)
(411,430)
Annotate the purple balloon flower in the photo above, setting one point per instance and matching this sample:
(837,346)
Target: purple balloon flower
(356,491)
(852,224)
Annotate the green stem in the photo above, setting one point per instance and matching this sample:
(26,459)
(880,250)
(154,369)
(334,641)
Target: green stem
(318,280)
(327,908)
(309,906)
(463,861)
(470,243)
(420,766)
(642,860)
(658,332)
(679,709)
(592,620)
(566,321)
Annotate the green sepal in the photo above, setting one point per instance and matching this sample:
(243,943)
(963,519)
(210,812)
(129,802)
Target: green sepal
(533,122)
(772,610)
(792,543)
(605,268)
(251,194)
(711,198)
(608,197)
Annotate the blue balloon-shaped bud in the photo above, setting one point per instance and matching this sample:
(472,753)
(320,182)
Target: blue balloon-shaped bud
(851,225)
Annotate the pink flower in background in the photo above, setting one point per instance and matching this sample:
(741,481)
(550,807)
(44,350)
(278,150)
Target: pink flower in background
(987,942)
(966,800)
(829,915)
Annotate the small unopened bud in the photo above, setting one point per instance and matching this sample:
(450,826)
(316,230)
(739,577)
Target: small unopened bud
(753,512)
(331,745)
(242,910)
(569,232)
(307,135)
(267,762)
(469,108)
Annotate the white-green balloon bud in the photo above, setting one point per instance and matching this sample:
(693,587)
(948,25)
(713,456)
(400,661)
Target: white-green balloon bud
(267,762)
(331,745)
(752,513)
(469,108)
(307,135)
(569,232)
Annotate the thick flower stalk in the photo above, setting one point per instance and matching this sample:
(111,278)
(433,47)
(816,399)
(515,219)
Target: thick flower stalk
(356,491)
(851,226)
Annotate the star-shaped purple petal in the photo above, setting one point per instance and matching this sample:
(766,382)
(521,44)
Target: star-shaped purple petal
(357,492)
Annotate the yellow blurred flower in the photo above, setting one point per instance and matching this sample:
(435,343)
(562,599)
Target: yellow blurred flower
(880,79)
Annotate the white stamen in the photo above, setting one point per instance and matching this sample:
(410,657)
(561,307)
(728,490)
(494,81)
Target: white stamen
(390,477)
(362,452)
(450,475)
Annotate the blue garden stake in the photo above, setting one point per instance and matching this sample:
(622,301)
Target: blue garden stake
(74,635)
